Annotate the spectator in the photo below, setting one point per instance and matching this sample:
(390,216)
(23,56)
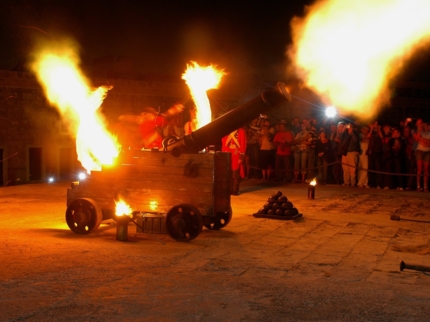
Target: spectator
(312,128)
(392,158)
(363,159)
(282,141)
(302,141)
(266,154)
(349,149)
(295,126)
(422,154)
(409,162)
(252,150)
(324,154)
(334,168)
(375,155)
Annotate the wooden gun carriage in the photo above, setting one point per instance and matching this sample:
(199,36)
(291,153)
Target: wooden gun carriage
(182,194)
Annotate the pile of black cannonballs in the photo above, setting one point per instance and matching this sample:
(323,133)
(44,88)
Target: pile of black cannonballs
(278,205)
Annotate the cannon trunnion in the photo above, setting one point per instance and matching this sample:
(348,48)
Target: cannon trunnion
(185,192)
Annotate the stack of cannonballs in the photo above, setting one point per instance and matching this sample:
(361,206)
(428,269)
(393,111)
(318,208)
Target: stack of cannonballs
(278,205)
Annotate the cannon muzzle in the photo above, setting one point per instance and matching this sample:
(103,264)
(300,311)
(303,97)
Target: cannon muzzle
(213,132)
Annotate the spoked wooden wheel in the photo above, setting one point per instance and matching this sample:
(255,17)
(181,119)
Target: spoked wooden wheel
(83,216)
(221,220)
(184,222)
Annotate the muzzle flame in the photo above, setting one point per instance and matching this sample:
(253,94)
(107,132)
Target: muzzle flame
(68,89)
(348,51)
(200,80)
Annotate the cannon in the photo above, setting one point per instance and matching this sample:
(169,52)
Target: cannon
(179,189)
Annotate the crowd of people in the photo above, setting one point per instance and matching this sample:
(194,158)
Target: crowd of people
(366,155)
(299,151)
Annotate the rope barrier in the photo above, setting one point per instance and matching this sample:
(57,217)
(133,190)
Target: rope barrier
(348,165)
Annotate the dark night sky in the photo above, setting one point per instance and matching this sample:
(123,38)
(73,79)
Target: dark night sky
(161,37)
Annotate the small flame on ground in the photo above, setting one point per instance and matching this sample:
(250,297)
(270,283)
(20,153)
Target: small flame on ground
(123,209)
(65,86)
(348,51)
(200,80)
(313,182)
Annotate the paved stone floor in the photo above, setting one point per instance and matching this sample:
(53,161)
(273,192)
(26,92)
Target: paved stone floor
(339,263)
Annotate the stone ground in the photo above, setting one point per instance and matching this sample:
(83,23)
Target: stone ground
(339,263)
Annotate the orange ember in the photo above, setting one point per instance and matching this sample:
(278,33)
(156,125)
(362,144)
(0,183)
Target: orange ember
(200,80)
(66,88)
(348,51)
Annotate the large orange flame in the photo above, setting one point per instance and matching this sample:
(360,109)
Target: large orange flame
(66,87)
(200,80)
(348,51)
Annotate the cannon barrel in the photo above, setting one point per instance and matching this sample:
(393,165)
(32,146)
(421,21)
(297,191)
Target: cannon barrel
(403,265)
(213,132)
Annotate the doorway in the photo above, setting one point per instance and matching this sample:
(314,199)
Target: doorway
(35,164)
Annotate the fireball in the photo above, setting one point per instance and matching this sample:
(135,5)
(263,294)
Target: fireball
(66,88)
(348,51)
(200,80)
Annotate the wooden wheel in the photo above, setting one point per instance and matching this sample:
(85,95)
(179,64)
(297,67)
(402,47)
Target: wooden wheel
(184,222)
(83,216)
(221,220)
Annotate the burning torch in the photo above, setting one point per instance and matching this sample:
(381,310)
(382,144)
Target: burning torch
(124,214)
(311,189)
